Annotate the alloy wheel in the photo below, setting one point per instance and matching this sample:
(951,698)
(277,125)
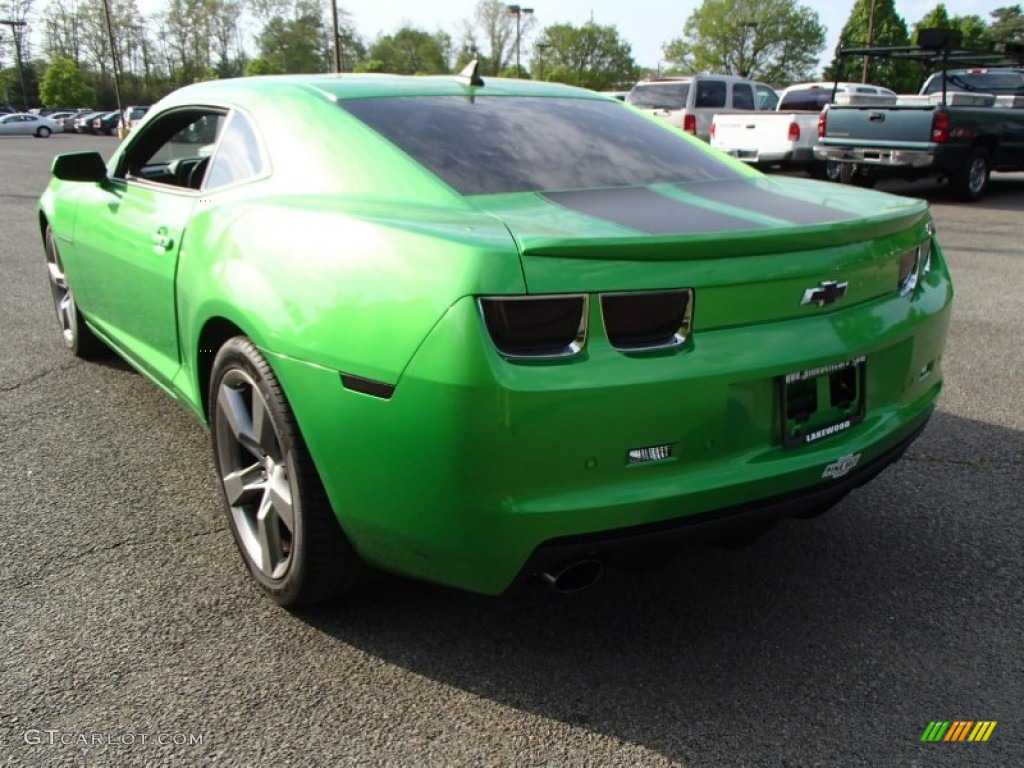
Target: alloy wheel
(256,474)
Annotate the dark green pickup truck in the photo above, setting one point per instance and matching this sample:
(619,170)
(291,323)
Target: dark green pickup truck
(961,127)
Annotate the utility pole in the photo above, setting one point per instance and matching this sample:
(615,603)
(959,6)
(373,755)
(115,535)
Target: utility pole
(337,43)
(15,27)
(871,34)
(518,11)
(113,57)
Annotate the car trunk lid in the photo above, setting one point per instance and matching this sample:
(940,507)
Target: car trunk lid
(750,248)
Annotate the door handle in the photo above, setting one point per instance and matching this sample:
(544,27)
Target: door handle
(161,240)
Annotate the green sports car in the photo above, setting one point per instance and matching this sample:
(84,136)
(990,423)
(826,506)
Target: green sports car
(478,331)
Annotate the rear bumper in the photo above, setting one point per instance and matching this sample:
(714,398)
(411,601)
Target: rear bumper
(798,156)
(637,543)
(888,158)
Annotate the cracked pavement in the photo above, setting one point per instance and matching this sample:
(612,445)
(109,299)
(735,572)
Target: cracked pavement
(124,608)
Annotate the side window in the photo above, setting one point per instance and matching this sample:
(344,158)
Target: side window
(710,93)
(766,98)
(742,96)
(238,156)
(174,149)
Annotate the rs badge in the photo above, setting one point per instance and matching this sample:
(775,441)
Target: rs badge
(841,467)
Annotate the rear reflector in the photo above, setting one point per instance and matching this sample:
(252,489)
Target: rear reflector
(647,320)
(536,327)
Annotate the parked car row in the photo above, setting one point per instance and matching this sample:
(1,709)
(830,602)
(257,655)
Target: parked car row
(44,122)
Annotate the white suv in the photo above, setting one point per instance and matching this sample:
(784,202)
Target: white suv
(690,102)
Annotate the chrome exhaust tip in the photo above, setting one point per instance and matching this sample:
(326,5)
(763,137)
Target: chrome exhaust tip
(575,576)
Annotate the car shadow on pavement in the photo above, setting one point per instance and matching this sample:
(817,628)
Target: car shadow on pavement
(839,636)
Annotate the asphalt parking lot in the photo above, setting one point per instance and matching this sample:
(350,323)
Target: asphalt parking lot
(131,635)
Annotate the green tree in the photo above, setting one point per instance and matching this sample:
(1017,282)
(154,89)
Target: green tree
(411,51)
(876,23)
(262,66)
(591,56)
(973,29)
(1007,24)
(776,41)
(297,44)
(64,85)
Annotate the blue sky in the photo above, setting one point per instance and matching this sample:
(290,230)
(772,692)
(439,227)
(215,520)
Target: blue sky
(645,24)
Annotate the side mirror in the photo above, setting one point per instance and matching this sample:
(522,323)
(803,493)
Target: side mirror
(79,166)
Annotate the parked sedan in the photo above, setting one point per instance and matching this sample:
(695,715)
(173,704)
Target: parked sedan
(24,124)
(477,332)
(106,124)
(84,122)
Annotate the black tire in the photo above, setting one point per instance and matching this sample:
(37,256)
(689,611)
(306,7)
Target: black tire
(74,332)
(43,132)
(852,173)
(832,170)
(971,180)
(277,508)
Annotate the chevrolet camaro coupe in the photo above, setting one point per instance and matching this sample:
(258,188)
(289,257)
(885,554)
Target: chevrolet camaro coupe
(475,331)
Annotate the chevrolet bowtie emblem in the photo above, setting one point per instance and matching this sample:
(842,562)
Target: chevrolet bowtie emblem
(826,293)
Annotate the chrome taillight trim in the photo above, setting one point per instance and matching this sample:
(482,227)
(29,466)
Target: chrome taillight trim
(570,350)
(678,338)
(906,286)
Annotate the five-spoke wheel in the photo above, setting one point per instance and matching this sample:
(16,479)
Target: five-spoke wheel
(277,508)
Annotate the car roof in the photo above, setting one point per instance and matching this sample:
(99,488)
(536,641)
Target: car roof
(338,87)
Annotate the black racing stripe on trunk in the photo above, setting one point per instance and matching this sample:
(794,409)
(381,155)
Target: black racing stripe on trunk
(641,209)
(752,197)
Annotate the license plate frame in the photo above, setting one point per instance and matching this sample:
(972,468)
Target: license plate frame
(822,402)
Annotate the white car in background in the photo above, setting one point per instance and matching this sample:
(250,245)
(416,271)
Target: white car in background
(24,124)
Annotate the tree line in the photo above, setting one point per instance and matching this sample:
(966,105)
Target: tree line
(66,58)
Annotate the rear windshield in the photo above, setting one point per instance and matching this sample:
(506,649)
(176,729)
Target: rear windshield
(1005,82)
(806,101)
(659,96)
(493,145)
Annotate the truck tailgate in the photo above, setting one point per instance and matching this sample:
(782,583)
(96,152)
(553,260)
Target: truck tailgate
(881,125)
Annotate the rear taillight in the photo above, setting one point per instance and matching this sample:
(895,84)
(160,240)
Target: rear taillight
(794,132)
(647,320)
(712,129)
(690,124)
(822,121)
(536,327)
(940,126)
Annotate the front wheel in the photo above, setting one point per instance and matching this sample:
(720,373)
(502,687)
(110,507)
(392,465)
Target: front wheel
(971,181)
(277,508)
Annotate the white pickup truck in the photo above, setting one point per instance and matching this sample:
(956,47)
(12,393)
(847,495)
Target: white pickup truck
(787,136)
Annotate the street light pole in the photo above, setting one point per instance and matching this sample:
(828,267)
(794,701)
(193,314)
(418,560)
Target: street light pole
(15,25)
(518,11)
